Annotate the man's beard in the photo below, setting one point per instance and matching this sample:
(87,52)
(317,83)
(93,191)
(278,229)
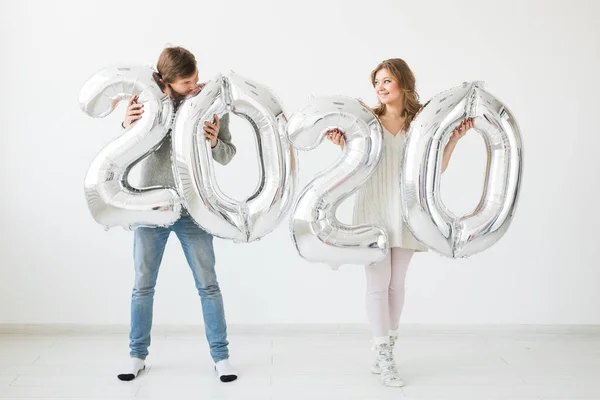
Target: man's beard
(177,97)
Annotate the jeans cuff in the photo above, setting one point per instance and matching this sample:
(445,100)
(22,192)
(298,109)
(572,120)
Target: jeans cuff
(131,355)
(217,359)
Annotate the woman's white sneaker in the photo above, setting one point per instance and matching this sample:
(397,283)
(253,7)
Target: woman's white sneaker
(375,368)
(385,359)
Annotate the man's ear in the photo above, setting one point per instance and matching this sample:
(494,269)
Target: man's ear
(165,87)
(158,80)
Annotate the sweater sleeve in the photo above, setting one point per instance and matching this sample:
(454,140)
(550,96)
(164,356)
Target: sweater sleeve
(224,151)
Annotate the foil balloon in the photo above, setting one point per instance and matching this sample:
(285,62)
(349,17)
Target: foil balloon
(424,212)
(316,232)
(111,200)
(222,216)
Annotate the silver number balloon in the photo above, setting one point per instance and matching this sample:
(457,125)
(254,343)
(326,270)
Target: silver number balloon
(426,216)
(316,232)
(261,212)
(111,200)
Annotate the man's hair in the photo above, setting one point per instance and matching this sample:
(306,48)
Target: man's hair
(175,63)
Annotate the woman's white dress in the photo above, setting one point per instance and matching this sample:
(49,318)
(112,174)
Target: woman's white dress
(378,200)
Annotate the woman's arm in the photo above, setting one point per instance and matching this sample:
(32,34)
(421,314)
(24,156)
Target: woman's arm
(458,134)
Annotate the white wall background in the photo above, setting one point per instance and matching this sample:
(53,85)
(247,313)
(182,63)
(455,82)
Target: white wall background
(540,57)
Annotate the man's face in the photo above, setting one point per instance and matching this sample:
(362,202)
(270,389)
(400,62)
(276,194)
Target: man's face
(185,86)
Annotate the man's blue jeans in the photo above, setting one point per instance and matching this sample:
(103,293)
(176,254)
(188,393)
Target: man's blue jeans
(197,244)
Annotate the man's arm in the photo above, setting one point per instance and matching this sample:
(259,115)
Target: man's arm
(224,151)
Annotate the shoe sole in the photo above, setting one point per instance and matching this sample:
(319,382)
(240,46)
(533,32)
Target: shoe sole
(129,377)
(395,386)
(228,378)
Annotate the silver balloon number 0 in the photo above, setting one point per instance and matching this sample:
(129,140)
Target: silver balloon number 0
(425,214)
(316,232)
(111,200)
(261,212)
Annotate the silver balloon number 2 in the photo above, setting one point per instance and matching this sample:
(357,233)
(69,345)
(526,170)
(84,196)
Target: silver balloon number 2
(316,232)
(425,214)
(111,200)
(261,212)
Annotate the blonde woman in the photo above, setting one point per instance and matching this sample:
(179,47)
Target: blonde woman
(378,202)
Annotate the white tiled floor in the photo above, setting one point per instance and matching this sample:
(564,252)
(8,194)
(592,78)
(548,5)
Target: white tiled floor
(307,366)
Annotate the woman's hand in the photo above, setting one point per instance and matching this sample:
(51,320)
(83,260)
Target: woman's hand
(461,130)
(337,137)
